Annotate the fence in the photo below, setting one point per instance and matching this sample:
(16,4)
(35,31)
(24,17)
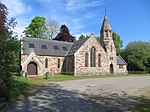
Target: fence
(138,72)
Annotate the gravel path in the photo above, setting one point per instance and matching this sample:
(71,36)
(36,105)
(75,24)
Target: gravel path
(118,85)
(88,95)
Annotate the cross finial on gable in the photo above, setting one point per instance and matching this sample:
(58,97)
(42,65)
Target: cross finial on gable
(105,12)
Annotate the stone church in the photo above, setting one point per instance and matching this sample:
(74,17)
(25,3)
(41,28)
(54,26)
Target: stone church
(83,57)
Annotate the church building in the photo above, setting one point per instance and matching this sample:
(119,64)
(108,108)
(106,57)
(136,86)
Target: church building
(82,57)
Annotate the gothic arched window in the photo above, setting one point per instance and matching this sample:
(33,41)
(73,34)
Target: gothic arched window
(111,48)
(58,63)
(99,60)
(86,59)
(107,35)
(46,63)
(92,57)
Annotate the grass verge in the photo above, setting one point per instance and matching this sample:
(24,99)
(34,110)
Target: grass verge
(17,86)
(60,77)
(143,97)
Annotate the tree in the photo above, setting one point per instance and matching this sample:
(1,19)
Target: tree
(98,38)
(118,42)
(137,55)
(53,28)
(64,35)
(83,36)
(8,53)
(37,28)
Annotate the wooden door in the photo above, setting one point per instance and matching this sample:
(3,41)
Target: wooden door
(111,69)
(32,68)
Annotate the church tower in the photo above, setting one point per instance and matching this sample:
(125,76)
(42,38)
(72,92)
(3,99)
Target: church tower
(108,44)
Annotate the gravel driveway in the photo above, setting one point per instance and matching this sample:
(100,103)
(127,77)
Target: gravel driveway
(87,95)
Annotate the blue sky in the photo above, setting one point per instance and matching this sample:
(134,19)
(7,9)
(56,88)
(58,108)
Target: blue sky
(130,19)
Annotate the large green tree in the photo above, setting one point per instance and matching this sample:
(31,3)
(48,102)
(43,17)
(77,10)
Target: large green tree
(137,55)
(118,42)
(9,45)
(8,53)
(37,28)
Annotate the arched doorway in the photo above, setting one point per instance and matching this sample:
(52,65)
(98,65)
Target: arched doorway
(32,68)
(111,68)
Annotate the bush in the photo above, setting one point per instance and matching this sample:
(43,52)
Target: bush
(16,86)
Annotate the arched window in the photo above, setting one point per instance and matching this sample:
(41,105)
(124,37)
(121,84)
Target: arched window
(86,60)
(99,60)
(107,35)
(92,57)
(111,48)
(58,63)
(46,63)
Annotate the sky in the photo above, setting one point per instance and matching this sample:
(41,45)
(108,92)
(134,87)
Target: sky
(130,19)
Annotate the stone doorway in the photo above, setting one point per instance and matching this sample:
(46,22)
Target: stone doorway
(32,68)
(111,68)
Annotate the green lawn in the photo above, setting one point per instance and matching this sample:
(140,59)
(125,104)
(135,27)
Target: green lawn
(60,77)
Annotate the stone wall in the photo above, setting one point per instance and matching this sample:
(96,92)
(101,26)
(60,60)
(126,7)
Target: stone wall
(68,65)
(80,68)
(111,54)
(75,64)
(122,70)
(26,59)
(52,62)
(40,61)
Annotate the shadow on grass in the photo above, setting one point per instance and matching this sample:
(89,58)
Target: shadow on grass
(51,97)
(121,103)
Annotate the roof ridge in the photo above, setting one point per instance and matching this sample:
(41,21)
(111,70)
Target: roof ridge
(48,40)
(78,46)
(122,59)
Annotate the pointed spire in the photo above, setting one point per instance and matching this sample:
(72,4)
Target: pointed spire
(106,25)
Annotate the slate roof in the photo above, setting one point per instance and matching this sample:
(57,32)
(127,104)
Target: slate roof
(50,46)
(71,48)
(120,61)
(105,25)
(76,45)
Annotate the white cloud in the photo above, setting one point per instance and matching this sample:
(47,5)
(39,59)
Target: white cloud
(90,15)
(69,12)
(16,7)
(21,24)
(76,14)
(74,5)
(77,36)
(75,24)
